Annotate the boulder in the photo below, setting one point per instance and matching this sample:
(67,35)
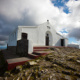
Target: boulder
(8,78)
(71,58)
(39,74)
(51,48)
(23,78)
(38,60)
(19,78)
(26,73)
(15,71)
(77,74)
(66,72)
(49,58)
(19,67)
(78,61)
(1,78)
(31,63)
(7,74)
(67,77)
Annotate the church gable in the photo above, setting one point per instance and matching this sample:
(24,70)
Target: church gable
(46,26)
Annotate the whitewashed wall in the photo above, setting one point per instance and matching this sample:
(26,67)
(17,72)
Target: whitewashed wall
(32,34)
(66,42)
(19,33)
(30,49)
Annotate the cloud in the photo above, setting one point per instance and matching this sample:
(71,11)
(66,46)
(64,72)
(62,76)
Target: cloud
(76,43)
(35,12)
(71,21)
(2,43)
(74,18)
(75,32)
(73,42)
(3,38)
(26,12)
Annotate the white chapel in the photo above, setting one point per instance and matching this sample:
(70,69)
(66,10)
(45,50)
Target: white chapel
(41,35)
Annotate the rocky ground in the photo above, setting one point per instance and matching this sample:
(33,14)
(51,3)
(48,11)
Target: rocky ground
(3,64)
(62,64)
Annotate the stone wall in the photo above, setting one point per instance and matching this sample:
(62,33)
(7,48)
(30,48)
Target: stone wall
(22,47)
(12,49)
(3,64)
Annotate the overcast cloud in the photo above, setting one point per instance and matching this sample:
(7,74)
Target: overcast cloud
(34,12)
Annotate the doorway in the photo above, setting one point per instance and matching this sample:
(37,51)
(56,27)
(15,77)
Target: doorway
(48,39)
(62,42)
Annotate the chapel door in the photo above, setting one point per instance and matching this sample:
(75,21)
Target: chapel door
(47,40)
(62,42)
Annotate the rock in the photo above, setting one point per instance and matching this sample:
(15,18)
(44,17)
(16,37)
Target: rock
(78,61)
(57,50)
(15,71)
(53,74)
(53,65)
(38,60)
(78,58)
(22,74)
(24,66)
(71,58)
(68,77)
(8,78)
(28,78)
(46,70)
(51,48)
(50,77)
(49,58)
(11,75)
(42,71)
(19,68)
(1,78)
(31,63)
(70,67)
(19,78)
(78,78)
(7,74)
(77,74)
(66,72)
(39,74)
(26,73)
(23,78)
